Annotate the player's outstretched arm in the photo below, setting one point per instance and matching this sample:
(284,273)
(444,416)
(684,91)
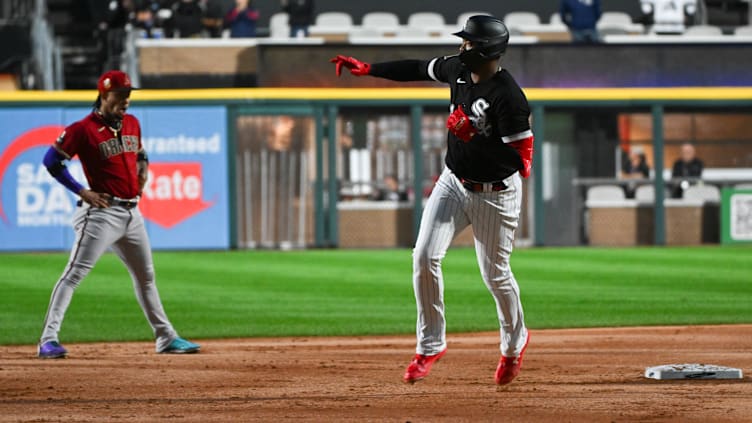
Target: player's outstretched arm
(356,67)
(398,70)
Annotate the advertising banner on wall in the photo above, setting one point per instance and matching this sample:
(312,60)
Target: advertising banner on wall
(185,201)
(736,216)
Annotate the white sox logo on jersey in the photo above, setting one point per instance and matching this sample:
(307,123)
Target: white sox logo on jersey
(478,118)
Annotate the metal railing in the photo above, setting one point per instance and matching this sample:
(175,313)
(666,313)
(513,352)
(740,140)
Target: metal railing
(129,55)
(46,59)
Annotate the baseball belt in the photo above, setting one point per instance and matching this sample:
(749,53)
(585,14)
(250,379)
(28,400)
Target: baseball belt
(483,186)
(117,201)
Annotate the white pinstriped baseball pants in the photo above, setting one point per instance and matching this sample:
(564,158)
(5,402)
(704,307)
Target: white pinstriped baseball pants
(494,217)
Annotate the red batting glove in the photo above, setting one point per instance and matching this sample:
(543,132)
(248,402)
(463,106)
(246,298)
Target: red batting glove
(356,67)
(525,148)
(460,125)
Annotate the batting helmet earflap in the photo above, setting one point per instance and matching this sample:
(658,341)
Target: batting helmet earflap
(489,35)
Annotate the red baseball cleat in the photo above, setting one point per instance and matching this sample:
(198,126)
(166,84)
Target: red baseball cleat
(509,367)
(420,366)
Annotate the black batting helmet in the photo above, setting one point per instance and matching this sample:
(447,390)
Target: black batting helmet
(489,35)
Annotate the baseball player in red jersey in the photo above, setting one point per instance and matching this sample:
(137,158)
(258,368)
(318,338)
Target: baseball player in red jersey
(108,143)
(489,146)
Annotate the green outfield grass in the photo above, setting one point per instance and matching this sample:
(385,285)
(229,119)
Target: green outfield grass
(357,292)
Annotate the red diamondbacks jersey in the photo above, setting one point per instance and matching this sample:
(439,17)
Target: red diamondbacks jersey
(499,111)
(108,157)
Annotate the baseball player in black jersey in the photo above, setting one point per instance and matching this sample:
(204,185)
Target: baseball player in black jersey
(489,147)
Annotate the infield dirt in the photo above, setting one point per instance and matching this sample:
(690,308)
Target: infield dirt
(574,375)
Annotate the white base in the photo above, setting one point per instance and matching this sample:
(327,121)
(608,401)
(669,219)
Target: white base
(692,371)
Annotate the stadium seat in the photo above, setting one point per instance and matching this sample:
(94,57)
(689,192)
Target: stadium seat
(555,22)
(703,31)
(365,35)
(706,193)
(426,20)
(615,18)
(606,193)
(340,20)
(332,25)
(518,20)
(380,20)
(412,32)
(645,194)
(360,33)
(743,31)
(278,26)
(614,23)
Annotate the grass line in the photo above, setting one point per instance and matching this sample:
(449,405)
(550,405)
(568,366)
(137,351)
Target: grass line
(362,292)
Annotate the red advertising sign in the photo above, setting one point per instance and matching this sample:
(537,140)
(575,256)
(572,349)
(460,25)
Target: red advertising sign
(173,193)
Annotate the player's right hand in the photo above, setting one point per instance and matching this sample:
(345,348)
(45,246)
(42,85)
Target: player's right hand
(95,199)
(356,67)
(460,125)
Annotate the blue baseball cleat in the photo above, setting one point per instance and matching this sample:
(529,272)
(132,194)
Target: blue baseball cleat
(181,346)
(51,349)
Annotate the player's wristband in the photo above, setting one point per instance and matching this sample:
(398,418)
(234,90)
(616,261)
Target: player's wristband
(53,161)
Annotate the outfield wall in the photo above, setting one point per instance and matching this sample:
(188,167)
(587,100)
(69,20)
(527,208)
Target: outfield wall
(282,168)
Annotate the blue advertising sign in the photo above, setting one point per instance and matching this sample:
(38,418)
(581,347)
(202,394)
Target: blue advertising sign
(185,202)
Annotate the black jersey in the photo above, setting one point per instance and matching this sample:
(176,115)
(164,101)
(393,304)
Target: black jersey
(497,107)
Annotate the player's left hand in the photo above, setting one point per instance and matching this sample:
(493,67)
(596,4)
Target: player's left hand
(141,183)
(96,199)
(460,125)
(356,67)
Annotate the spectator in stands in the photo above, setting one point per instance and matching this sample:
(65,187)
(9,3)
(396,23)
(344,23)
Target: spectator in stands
(634,167)
(151,16)
(114,14)
(669,16)
(281,134)
(390,191)
(144,16)
(213,20)
(111,19)
(186,19)
(581,17)
(300,16)
(687,166)
(242,19)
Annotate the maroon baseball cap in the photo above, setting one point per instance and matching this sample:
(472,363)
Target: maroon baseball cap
(114,80)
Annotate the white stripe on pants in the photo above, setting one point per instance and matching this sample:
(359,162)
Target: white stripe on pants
(494,217)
